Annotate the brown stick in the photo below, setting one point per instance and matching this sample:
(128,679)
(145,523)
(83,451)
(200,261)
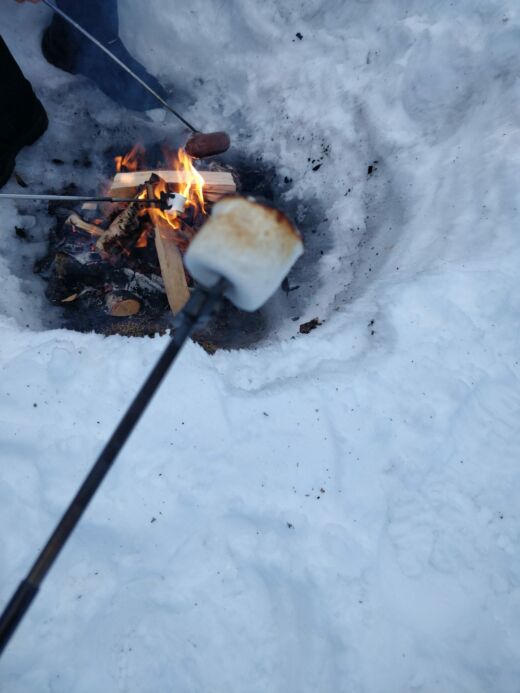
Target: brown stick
(172,268)
(122,232)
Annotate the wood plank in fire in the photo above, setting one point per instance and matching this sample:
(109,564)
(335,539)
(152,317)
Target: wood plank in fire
(216,183)
(172,268)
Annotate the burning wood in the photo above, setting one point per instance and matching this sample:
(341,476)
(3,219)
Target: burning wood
(120,268)
(172,268)
(215,183)
(123,233)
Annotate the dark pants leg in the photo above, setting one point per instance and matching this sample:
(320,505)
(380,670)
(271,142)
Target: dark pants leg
(22,117)
(16,90)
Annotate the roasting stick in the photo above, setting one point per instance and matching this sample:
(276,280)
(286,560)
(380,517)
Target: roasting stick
(243,252)
(73,198)
(200,144)
(174,202)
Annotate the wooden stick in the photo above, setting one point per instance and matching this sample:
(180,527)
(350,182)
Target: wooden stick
(78,222)
(216,183)
(172,267)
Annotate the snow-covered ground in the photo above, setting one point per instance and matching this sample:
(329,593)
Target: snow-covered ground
(335,511)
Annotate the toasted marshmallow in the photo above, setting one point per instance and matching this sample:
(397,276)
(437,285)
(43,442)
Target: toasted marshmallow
(250,245)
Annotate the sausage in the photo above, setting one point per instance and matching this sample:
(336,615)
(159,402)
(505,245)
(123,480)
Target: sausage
(201,145)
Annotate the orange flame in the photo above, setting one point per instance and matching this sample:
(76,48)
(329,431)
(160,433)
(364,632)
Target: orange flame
(142,241)
(131,161)
(192,187)
(157,215)
(193,181)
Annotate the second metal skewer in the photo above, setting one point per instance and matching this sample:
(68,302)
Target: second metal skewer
(166,202)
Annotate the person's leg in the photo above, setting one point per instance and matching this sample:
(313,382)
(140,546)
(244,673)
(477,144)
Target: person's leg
(22,117)
(63,45)
(98,17)
(68,49)
(14,85)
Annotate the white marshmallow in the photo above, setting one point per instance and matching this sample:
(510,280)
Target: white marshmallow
(178,203)
(247,243)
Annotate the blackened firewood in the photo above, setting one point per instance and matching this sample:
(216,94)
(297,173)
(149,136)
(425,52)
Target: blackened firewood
(68,269)
(123,233)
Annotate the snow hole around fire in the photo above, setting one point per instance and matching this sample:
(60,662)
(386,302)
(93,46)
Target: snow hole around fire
(338,193)
(339,260)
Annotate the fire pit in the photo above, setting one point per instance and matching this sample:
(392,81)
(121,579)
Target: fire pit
(118,269)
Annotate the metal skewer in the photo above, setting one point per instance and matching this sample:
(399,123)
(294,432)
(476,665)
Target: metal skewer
(167,201)
(72,198)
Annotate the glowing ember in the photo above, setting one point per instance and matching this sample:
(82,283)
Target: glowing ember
(132,161)
(142,241)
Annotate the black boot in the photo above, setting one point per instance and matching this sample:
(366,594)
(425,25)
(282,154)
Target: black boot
(66,48)
(22,117)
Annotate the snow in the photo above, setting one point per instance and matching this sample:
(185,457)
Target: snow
(334,511)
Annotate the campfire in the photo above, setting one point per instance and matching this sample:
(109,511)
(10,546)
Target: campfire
(117,267)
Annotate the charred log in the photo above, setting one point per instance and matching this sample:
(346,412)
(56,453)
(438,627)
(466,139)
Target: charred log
(123,233)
